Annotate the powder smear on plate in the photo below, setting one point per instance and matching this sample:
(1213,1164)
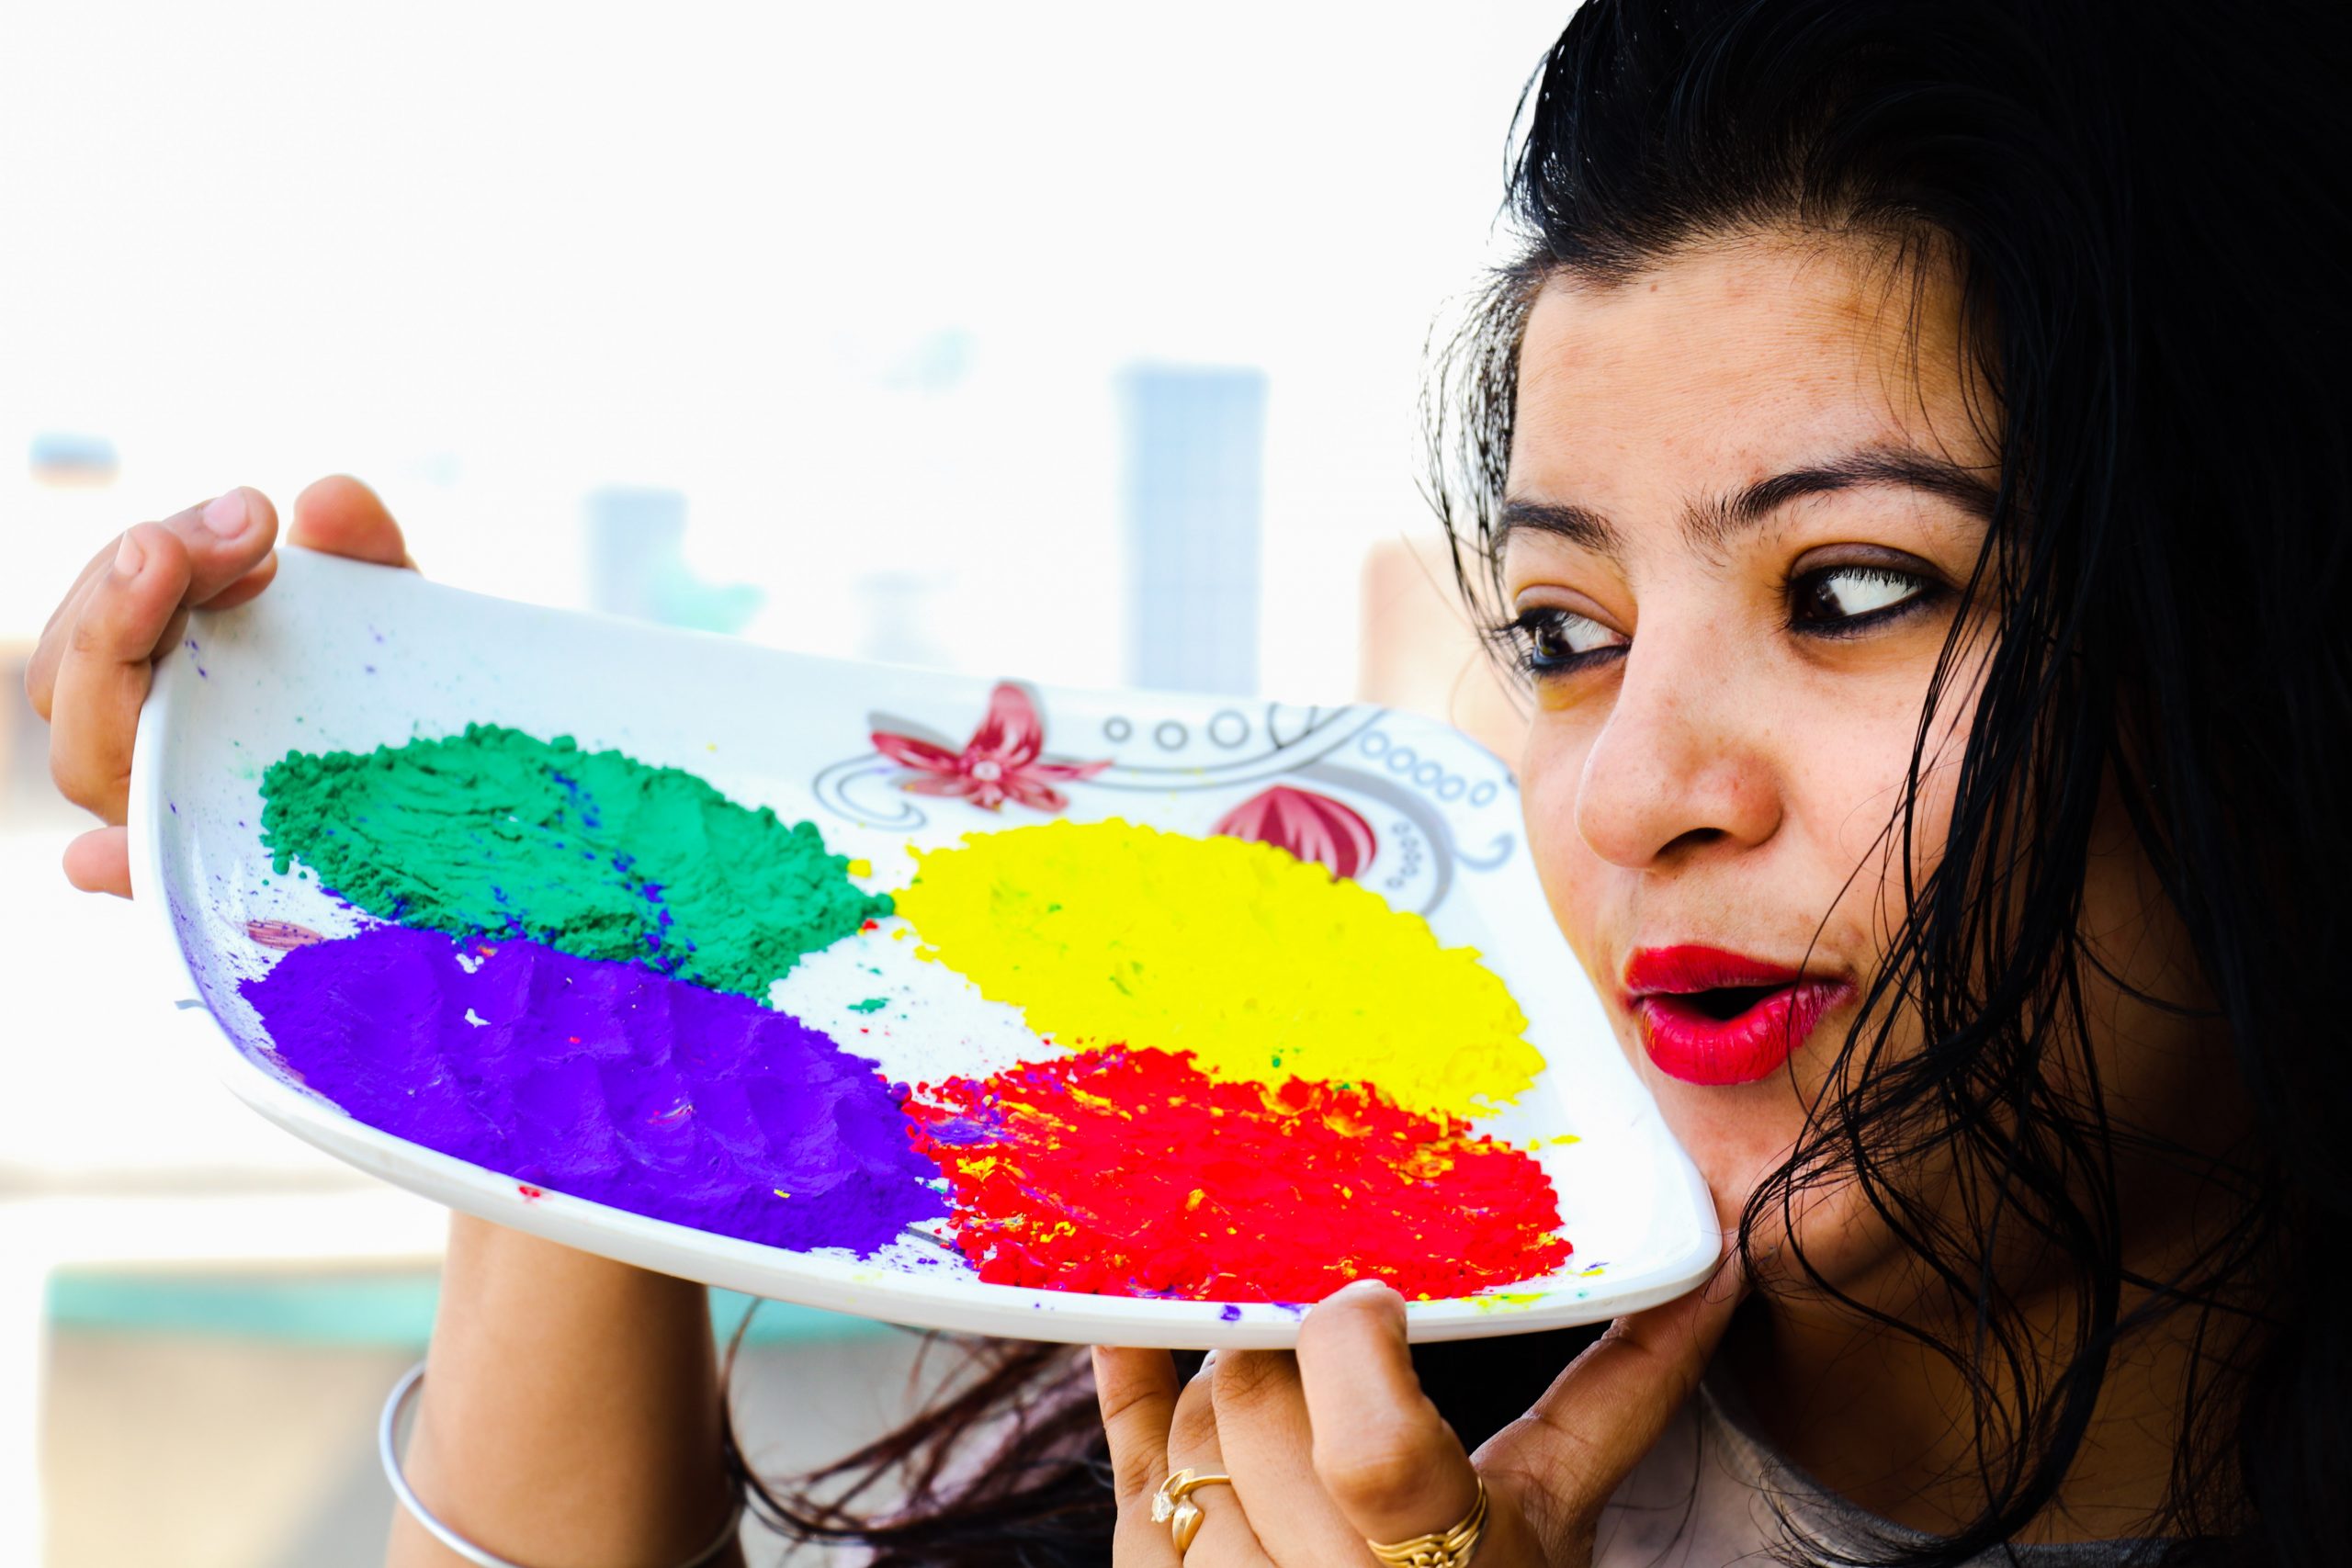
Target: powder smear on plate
(591,852)
(1129,1172)
(1257,964)
(606,1081)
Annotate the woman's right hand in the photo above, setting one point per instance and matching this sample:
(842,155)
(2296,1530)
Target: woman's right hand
(97,658)
(573,1412)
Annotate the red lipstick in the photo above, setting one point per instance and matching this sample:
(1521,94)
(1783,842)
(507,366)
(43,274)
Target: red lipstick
(1711,1017)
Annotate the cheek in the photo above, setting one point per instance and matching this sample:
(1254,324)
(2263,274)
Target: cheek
(1844,800)
(1577,883)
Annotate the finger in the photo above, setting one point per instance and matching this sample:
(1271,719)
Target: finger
(1392,1465)
(41,672)
(1137,1390)
(246,587)
(104,671)
(341,516)
(1226,1537)
(99,862)
(225,540)
(1561,1461)
(1262,1431)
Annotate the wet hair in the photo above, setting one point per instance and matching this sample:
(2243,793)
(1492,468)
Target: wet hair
(2144,213)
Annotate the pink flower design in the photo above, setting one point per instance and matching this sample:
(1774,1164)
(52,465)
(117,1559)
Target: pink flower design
(1001,762)
(1310,826)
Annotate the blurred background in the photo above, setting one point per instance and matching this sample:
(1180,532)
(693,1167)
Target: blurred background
(1081,343)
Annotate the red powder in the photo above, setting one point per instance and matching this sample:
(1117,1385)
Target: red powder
(1130,1173)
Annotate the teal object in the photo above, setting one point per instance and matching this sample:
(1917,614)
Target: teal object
(349,1310)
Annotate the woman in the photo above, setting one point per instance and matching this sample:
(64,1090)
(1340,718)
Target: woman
(1903,465)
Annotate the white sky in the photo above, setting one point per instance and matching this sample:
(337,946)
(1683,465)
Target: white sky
(492,256)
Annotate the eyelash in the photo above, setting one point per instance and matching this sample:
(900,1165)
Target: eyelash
(1517,640)
(1518,636)
(1923,590)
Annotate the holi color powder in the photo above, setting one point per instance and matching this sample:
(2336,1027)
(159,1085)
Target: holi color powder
(591,853)
(606,1081)
(1132,1173)
(1255,962)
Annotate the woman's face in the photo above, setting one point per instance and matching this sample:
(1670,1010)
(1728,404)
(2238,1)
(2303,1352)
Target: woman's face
(1744,492)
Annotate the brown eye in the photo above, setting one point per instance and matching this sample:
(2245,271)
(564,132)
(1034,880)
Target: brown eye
(1547,642)
(1549,638)
(1854,593)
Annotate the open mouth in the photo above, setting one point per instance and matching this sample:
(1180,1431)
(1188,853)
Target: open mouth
(1724,1003)
(1711,1017)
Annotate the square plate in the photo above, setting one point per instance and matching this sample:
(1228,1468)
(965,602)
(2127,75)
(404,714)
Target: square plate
(343,657)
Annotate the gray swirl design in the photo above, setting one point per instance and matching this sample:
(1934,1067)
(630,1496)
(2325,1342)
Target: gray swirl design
(838,789)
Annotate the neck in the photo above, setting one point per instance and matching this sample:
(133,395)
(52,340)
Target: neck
(1888,1423)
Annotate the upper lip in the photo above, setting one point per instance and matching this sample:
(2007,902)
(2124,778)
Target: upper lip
(1679,970)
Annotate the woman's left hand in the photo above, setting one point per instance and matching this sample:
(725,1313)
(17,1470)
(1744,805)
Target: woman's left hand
(1336,1445)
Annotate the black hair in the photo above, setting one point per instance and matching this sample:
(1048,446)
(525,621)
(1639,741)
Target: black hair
(2144,212)
(2144,208)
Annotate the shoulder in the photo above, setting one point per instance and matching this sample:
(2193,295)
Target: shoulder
(1710,1492)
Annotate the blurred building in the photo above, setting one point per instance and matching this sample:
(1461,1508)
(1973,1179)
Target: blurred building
(65,458)
(1194,449)
(636,564)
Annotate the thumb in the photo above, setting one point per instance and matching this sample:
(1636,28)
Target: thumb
(342,516)
(1561,1460)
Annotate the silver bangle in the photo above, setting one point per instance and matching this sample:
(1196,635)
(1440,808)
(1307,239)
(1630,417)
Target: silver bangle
(388,1448)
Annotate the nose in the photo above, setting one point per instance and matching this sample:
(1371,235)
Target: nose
(1683,762)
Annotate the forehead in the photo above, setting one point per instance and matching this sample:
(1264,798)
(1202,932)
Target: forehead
(1722,366)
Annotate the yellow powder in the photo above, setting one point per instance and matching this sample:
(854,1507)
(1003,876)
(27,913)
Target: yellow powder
(1260,966)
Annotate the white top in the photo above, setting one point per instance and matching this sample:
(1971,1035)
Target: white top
(1712,1493)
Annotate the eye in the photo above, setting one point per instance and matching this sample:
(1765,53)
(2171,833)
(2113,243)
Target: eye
(1553,641)
(1841,599)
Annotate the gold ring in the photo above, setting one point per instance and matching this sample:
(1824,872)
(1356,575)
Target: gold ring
(1439,1549)
(1173,1505)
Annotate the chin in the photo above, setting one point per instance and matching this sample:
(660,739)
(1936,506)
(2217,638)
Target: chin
(1842,1239)
(1737,1137)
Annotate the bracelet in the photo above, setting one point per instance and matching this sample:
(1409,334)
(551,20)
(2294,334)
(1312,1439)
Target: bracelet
(388,1448)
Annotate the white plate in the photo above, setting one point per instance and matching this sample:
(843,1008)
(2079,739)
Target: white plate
(339,656)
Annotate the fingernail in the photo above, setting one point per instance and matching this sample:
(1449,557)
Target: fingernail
(129,555)
(228,516)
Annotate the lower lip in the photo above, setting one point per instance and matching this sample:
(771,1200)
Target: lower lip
(1687,1044)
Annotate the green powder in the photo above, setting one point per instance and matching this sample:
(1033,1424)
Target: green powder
(594,853)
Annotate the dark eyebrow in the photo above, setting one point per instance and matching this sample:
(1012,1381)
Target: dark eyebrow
(1896,466)
(1713,523)
(1579,526)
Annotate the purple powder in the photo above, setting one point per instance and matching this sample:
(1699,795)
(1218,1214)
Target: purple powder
(605,1081)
